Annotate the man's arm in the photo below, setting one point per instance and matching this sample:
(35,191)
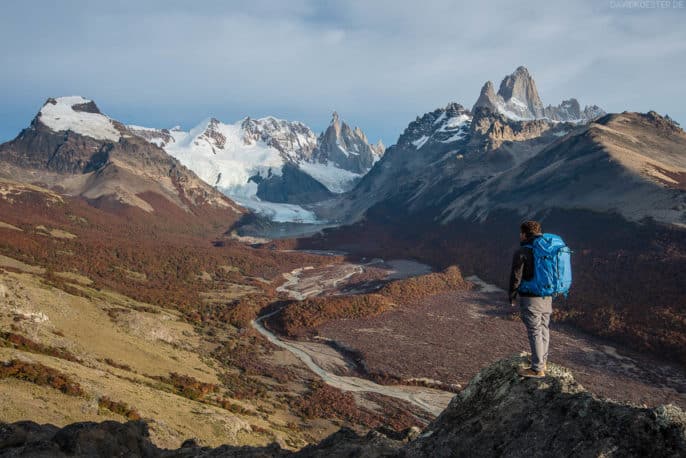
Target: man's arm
(516,274)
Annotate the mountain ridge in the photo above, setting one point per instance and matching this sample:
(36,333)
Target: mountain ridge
(269,164)
(71,146)
(518,99)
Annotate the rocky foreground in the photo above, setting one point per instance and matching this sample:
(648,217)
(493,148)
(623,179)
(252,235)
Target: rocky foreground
(498,414)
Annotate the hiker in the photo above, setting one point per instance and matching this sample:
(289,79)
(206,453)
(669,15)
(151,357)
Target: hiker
(540,269)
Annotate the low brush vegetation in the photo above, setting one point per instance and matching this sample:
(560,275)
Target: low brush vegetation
(167,261)
(325,401)
(238,313)
(613,260)
(119,408)
(299,318)
(213,394)
(249,357)
(122,366)
(415,288)
(121,253)
(40,375)
(239,386)
(12,340)
(188,387)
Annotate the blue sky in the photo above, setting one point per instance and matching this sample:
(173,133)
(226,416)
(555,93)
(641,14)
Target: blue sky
(378,63)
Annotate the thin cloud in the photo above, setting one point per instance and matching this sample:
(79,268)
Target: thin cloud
(379,63)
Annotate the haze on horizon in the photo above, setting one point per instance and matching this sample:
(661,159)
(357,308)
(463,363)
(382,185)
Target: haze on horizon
(379,64)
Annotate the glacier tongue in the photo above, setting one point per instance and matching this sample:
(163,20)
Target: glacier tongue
(335,179)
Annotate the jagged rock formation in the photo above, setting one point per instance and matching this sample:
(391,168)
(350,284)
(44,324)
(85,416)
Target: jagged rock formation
(636,159)
(570,110)
(440,127)
(108,438)
(518,99)
(475,163)
(70,145)
(501,414)
(498,414)
(490,129)
(294,140)
(347,148)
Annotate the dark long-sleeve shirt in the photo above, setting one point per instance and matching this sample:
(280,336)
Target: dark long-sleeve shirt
(522,268)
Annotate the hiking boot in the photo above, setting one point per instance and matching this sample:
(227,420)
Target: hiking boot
(545,365)
(530,373)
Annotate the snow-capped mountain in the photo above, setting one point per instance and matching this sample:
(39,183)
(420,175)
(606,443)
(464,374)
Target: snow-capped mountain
(442,126)
(346,148)
(271,165)
(518,99)
(79,115)
(72,146)
(462,165)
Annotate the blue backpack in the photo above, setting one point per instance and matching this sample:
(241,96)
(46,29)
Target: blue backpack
(552,267)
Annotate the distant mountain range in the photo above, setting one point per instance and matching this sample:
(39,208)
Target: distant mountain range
(511,153)
(467,163)
(269,165)
(268,161)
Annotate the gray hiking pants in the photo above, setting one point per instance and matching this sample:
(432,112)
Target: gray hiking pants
(535,312)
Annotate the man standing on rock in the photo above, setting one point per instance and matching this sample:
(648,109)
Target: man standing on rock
(535,309)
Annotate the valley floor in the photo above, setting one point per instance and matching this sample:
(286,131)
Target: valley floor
(76,352)
(447,338)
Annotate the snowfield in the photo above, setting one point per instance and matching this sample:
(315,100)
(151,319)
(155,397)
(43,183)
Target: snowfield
(278,212)
(228,166)
(227,156)
(60,116)
(335,179)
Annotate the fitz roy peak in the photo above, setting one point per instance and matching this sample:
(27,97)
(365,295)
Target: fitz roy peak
(508,155)
(518,99)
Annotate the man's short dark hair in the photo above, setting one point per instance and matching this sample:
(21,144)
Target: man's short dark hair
(530,228)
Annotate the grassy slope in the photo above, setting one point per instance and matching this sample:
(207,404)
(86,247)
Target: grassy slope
(140,304)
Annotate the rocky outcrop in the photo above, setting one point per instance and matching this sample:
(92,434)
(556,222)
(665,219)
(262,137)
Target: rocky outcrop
(294,140)
(518,99)
(233,156)
(498,414)
(501,414)
(108,438)
(345,147)
(570,110)
(520,87)
(490,129)
(292,186)
(159,137)
(437,128)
